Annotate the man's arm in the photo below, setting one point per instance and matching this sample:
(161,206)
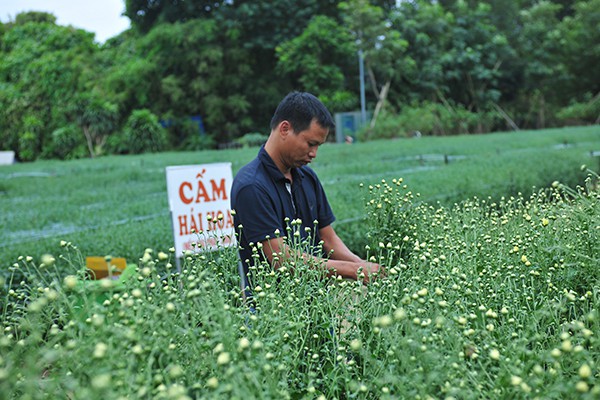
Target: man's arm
(346,264)
(336,247)
(339,251)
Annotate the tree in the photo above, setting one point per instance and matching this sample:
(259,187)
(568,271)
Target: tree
(40,71)
(579,49)
(426,27)
(35,17)
(97,119)
(143,133)
(183,69)
(320,60)
(145,14)
(383,48)
(539,49)
(472,59)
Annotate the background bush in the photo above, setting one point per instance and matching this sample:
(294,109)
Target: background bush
(143,133)
(66,143)
(581,113)
(431,119)
(252,139)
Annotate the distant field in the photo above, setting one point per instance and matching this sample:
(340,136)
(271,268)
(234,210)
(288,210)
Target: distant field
(118,205)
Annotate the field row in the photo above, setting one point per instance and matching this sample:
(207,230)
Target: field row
(118,205)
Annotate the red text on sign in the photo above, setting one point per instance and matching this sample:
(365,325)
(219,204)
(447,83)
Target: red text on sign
(215,191)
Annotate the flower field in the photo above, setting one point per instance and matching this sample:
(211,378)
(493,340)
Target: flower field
(483,299)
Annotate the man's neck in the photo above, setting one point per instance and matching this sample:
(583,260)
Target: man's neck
(275,156)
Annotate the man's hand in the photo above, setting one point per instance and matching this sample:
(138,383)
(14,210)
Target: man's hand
(370,271)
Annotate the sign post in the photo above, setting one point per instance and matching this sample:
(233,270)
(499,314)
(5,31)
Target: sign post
(200,207)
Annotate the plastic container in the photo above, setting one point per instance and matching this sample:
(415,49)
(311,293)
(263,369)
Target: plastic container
(90,292)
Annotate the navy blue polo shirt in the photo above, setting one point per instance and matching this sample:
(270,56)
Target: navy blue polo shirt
(262,203)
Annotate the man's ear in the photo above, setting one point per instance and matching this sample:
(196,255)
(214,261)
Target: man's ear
(285,129)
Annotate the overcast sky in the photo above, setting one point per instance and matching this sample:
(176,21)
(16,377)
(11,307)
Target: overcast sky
(103,17)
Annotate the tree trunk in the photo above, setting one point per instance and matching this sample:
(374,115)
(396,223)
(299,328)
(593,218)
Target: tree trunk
(380,101)
(88,139)
(372,79)
(506,117)
(100,141)
(541,124)
(591,103)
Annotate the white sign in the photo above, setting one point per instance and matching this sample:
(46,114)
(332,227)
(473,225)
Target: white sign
(7,157)
(200,206)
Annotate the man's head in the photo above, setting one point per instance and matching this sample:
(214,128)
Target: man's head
(299,126)
(300,109)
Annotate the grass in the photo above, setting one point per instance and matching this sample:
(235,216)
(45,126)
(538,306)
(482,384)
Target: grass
(117,205)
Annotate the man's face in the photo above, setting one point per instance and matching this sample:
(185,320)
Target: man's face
(301,147)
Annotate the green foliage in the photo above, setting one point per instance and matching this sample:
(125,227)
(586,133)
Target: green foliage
(198,142)
(430,119)
(473,57)
(580,51)
(542,67)
(383,49)
(532,62)
(252,139)
(30,139)
(266,24)
(190,70)
(97,119)
(66,143)
(143,133)
(480,299)
(320,58)
(340,101)
(131,81)
(426,27)
(40,68)
(146,14)
(185,133)
(581,113)
(35,17)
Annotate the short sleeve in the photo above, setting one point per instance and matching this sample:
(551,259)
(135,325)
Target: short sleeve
(257,214)
(326,216)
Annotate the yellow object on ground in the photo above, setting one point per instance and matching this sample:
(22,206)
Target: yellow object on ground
(103,267)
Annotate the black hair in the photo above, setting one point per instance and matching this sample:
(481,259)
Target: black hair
(300,109)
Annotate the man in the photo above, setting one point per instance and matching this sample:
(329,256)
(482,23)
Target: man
(278,187)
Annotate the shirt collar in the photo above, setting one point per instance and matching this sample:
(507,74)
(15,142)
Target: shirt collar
(272,169)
